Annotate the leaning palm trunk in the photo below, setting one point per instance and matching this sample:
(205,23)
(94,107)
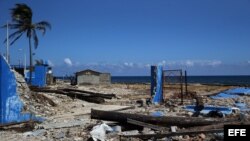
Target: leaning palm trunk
(31,64)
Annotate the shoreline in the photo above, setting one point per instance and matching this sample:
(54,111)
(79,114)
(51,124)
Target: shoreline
(208,84)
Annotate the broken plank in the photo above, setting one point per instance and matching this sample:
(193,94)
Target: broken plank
(143,124)
(85,97)
(163,121)
(125,108)
(214,126)
(17,124)
(109,96)
(47,90)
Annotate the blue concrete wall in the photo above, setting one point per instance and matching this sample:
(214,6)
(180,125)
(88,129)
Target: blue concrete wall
(10,104)
(156,84)
(38,76)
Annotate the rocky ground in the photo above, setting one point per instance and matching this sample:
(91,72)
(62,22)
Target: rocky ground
(69,119)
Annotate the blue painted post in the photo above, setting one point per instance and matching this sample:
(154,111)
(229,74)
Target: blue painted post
(10,104)
(156,84)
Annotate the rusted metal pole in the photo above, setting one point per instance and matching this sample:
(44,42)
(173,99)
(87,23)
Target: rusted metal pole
(186,83)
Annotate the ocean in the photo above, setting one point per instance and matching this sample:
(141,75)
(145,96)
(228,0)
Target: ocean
(210,80)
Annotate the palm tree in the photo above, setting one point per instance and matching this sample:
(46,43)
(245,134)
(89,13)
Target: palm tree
(21,16)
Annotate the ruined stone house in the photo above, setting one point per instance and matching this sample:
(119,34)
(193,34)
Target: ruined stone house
(92,77)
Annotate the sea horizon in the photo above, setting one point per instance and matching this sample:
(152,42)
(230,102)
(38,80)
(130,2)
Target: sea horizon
(239,80)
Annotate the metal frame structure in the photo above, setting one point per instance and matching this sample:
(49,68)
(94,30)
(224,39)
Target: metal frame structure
(175,77)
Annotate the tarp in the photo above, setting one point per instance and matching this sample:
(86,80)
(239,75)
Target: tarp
(10,104)
(224,96)
(232,93)
(239,91)
(209,108)
(242,106)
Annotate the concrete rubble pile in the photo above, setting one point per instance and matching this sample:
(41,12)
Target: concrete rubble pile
(38,104)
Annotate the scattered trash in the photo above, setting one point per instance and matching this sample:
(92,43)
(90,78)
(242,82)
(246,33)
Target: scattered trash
(242,106)
(219,136)
(60,135)
(173,128)
(215,114)
(132,132)
(40,132)
(117,129)
(140,102)
(209,108)
(157,114)
(99,132)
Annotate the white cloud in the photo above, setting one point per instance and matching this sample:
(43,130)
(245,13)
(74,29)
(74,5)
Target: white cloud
(147,65)
(77,63)
(214,63)
(248,62)
(189,63)
(209,63)
(50,63)
(130,64)
(171,63)
(162,63)
(68,62)
(140,65)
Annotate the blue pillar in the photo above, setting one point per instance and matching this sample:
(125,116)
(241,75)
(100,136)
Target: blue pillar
(156,84)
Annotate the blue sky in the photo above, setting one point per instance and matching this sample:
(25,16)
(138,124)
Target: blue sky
(125,37)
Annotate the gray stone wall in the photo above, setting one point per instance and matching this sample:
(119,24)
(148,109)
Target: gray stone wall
(88,79)
(105,78)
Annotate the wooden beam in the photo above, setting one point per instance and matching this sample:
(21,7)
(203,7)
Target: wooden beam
(143,124)
(108,96)
(163,121)
(86,97)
